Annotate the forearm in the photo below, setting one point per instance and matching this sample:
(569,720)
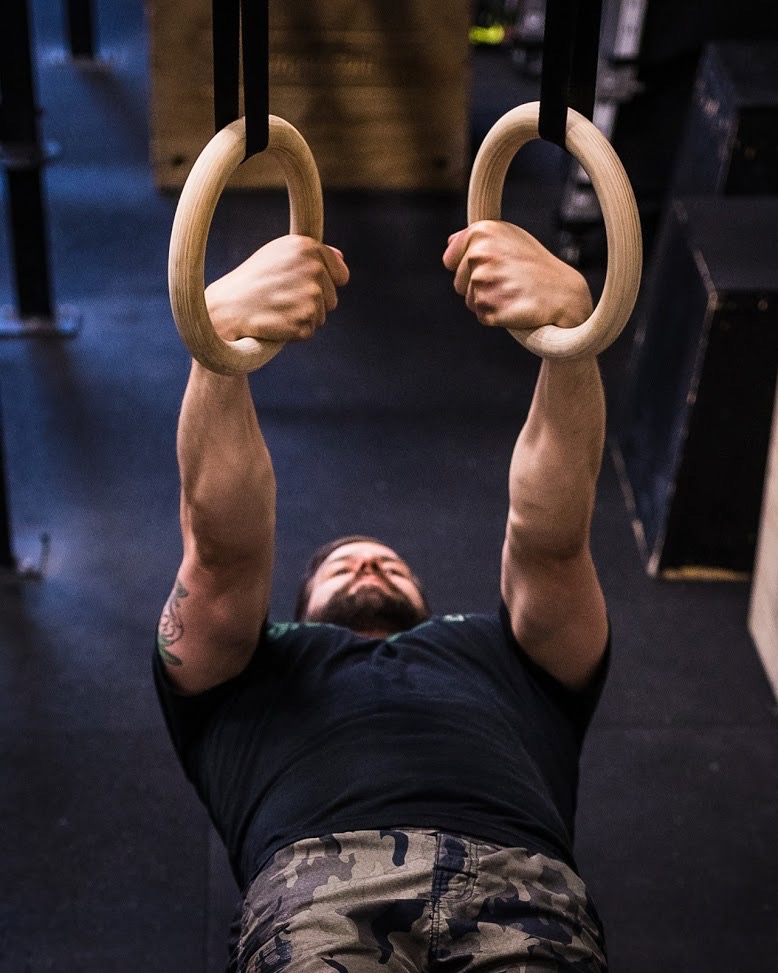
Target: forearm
(557,459)
(227,480)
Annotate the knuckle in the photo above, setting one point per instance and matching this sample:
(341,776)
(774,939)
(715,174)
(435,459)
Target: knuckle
(311,290)
(311,269)
(486,313)
(304,319)
(483,307)
(299,248)
(479,249)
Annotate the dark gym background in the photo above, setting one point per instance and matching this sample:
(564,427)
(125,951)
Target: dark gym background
(399,420)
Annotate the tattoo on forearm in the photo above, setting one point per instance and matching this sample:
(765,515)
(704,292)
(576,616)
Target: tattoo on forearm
(171,626)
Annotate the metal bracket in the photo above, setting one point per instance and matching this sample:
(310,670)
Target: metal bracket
(15,156)
(29,569)
(66,323)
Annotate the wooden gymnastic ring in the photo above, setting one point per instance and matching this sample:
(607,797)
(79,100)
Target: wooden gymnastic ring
(619,210)
(189,237)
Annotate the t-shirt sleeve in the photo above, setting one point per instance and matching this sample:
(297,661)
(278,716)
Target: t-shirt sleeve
(186,715)
(578,705)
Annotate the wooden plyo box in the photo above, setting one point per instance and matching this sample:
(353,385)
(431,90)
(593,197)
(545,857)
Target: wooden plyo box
(379,90)
(763,612)
(693,435)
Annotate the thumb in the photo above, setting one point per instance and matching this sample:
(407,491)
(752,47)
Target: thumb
(457,247)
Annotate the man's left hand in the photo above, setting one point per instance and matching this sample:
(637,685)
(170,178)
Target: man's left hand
(510,280)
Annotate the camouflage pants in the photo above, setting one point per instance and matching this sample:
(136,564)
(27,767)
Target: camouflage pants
(414,900)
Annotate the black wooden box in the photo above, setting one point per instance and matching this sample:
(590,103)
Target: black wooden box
(692,437)
(730,142)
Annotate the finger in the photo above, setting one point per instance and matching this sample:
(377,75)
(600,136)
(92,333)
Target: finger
(281,330)
(328,291)
(321,313)
(470,297)
(522,315)
(478,300)
(310,318)
(462,276)
(457,245)
(336,265)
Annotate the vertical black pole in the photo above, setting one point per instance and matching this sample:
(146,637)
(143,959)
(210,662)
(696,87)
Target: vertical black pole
(81,28)
(28,228)
(22,156)
(7,559)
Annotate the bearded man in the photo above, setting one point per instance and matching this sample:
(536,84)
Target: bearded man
(395,789)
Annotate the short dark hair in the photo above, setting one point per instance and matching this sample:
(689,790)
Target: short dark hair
(318,558)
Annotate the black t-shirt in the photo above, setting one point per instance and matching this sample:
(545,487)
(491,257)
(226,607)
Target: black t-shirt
(449,725)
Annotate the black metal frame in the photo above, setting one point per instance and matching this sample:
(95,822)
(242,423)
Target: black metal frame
(20,139)
(81,29)
(7,559)
(22,159)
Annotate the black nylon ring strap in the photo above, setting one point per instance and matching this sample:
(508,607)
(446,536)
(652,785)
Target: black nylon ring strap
(583,80)
(226,38)
(256,71)
(558,39)
(569,76)
(246,21)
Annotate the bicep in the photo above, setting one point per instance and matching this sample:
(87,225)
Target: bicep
(211,623)
(557,611)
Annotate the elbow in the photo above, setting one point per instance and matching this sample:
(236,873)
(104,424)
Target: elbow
(547,539)
(218,545)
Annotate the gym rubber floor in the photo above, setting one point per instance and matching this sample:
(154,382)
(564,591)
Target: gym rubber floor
(398,420)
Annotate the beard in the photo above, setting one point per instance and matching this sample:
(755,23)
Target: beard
(371,609)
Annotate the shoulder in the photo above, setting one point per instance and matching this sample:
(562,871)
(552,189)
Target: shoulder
(558,614)
(579,702)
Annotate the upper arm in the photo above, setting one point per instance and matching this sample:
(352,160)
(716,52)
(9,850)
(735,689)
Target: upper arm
(557,610)
(211,623)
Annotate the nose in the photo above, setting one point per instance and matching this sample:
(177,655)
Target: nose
(369,565)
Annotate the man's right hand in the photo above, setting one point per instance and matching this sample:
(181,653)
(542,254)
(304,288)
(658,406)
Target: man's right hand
(281,293)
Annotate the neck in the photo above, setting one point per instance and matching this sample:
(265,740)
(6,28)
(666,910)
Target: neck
(373,633)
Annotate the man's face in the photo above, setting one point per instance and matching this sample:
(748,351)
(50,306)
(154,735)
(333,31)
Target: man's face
(366,587)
